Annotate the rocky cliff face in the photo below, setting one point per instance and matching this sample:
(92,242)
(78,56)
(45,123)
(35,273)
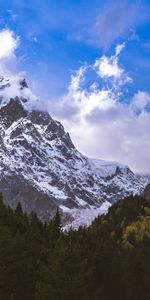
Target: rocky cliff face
(41,168)
(147,192)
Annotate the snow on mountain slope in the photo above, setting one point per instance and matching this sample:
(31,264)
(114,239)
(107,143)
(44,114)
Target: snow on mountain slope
(41,168)
(105,168)
(82,216)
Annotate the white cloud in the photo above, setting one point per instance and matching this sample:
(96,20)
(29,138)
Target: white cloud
(99,123)
(8,43)
(108,67)
(141,100)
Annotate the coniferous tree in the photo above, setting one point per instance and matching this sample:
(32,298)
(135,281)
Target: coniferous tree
(108,260)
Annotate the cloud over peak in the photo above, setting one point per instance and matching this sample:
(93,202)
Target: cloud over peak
(9,77)
(100,123)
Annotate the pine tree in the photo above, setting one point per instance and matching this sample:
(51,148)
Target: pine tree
(57,222)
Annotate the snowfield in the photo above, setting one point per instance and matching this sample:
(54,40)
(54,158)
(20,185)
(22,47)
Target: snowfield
(83,216)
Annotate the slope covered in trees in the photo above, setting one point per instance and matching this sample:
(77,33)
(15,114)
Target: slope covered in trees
(108,260)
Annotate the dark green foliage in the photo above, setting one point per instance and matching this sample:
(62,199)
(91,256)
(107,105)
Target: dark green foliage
(109,260)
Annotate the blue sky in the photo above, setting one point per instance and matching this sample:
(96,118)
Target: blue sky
(90,62)
(58,36)
(49,32)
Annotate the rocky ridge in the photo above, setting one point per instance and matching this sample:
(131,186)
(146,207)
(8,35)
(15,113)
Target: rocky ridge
(41,168)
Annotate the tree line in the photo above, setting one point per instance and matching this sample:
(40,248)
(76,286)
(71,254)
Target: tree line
(108,260)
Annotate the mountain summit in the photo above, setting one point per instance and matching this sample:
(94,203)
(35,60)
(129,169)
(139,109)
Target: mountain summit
(41,168)
(12,86)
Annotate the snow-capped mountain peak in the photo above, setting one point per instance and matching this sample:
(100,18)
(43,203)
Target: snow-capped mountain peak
(41,168)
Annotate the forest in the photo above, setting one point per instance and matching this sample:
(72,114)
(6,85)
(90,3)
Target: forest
(108,260)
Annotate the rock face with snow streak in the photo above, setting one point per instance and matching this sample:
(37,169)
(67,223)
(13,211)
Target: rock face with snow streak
(41,168)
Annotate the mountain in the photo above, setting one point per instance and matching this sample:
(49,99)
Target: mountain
(41,168)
